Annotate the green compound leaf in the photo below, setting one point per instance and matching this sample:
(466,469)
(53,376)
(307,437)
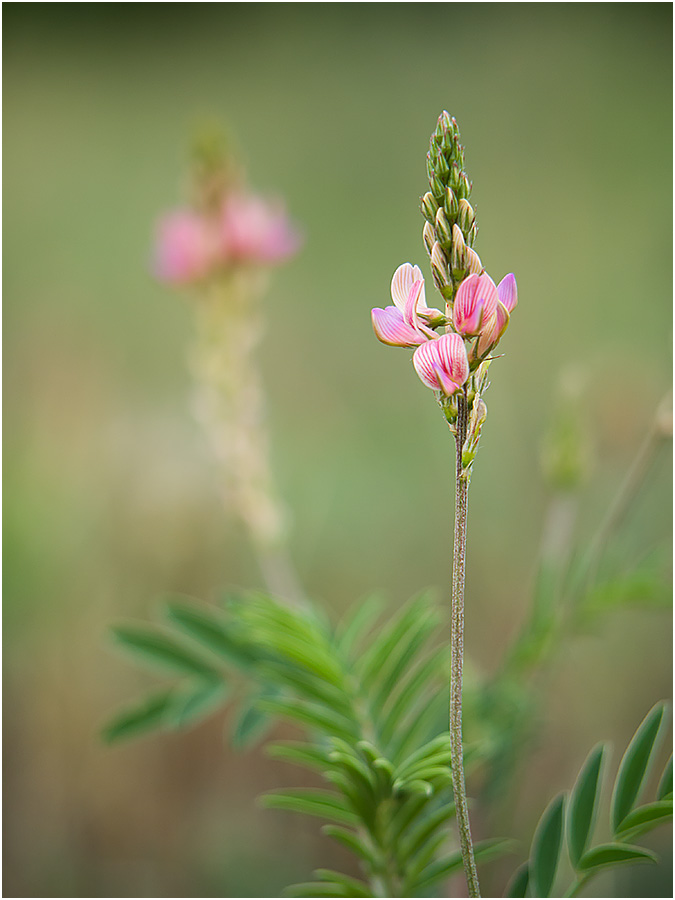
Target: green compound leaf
(152,646)
(546,845)
(517,887)
(147,715)
(665,788)
(582,809)
(309,756)
(613,855)
(316,889)
(324,804)
(646,817)
(634,765)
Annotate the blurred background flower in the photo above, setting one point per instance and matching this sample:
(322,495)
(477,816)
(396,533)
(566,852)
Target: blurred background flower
(110,488)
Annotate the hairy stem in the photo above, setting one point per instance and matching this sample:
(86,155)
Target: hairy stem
(457,656)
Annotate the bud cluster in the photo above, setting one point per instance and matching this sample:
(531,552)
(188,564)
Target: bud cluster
(450,228)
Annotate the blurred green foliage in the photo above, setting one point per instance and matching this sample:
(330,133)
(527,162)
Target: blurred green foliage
(565,111)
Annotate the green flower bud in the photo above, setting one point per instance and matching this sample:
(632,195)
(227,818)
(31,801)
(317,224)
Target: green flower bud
(473,264)
(439,267)
(465,216)
(429,207)
(437,187)
(458,254)
(429,237)
(451,204)
(443,228)
(464,186)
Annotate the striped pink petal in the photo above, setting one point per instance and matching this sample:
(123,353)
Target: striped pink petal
(475,303)
(442,364)
(402,281)
(508,291)
(391,328)
(493,330)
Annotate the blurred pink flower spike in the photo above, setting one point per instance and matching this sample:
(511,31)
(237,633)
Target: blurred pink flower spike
(391,328)
(442,364)
(253,230)
(475,304)
(185,248)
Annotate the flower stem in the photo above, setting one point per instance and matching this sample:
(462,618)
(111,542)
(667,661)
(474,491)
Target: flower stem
(457,654)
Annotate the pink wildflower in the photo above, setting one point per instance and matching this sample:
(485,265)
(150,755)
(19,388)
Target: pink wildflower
(252,230)
(494,328)
(475,304)
(442,364)
(401,325)
(185,248)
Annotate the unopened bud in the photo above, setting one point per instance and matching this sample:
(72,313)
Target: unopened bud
(455,178)
(471,236)
(437,186)
(429,236)
(450,204)
(465,216)
(443,228)
(429,207)
(439,267)
(464,186)
(458,254)
(441,166)
(473,264)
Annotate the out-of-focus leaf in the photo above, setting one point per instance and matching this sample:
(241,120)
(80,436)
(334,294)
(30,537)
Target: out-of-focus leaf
(518,885)
(300,754)
(197,703)
(157,649)
(424,830)
(386,642)
(313,716)
(646,817)
(583,804)
(251,723)
(546,845)
(355,887)
(665,788)
(324,804)
(353,630)
(416,684)
(613,855)
(147,715)
(316,889)
(351,840)
(209,627)
(633,767)
(442,868)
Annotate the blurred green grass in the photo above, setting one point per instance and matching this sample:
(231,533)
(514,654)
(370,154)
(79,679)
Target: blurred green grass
(565,110)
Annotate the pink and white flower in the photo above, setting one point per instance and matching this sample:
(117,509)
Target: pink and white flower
(494,328)
(253,230)
(442,364)
(403,325)
(475,304)
(185,247)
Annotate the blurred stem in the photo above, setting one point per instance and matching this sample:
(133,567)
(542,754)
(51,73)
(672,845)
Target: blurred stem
(457,653)
(230,404)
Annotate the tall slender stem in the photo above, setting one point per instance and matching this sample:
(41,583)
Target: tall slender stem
(457,655)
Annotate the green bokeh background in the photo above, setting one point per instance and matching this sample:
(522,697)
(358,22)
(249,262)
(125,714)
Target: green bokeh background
(110,493)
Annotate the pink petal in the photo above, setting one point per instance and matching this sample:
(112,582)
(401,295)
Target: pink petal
(425,361)
(508,291)
(391,328)
(402,281)
(494,329)
(452,353)
(476,302)
(185,249)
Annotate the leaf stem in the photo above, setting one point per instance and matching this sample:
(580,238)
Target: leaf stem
(457,653)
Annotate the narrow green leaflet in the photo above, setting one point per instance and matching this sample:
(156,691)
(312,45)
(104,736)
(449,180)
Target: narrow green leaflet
(546,845)
(351,840)
(353,885)
(152,646)
(517,887)
(196,703)
(209,627)
(309,756)
(316,889)
(324,804)
(147,715)
(442,868)
(633,767)
(352,631)
(665,788)
(647,817)
(582,809)
(614,855)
